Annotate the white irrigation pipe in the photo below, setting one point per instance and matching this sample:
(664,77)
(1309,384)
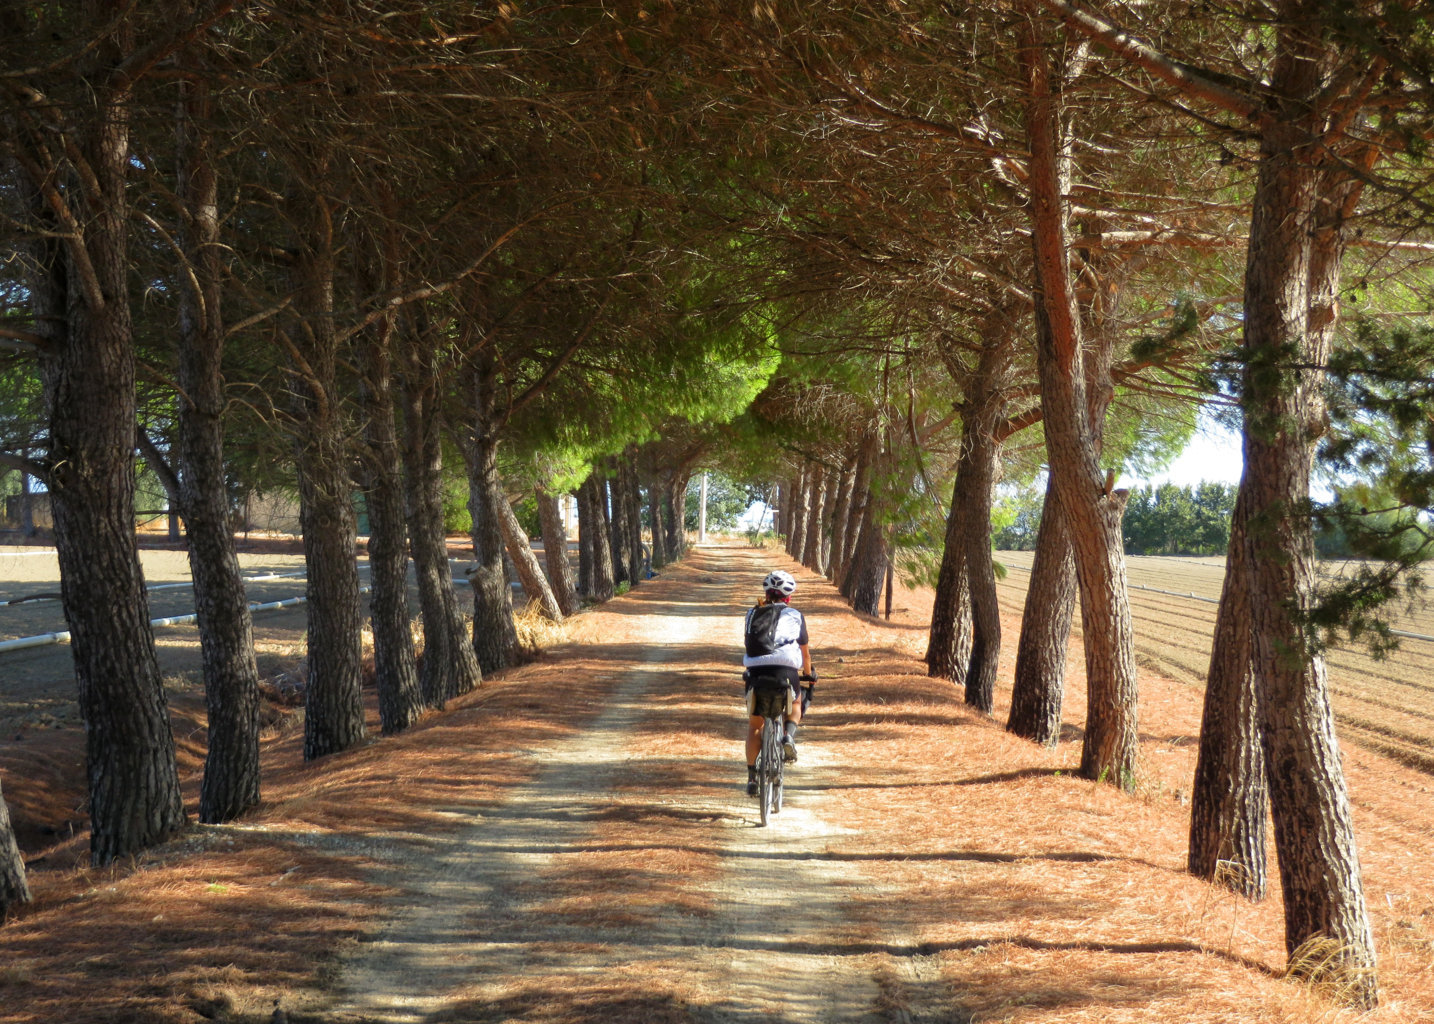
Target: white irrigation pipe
(63,636)
(1215,600)
(20,643)
(175,586)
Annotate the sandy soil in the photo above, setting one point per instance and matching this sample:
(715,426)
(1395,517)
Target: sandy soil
(37,684)
(572,844)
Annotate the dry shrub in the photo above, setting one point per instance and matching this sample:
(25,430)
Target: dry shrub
(1332,967)
(537,632)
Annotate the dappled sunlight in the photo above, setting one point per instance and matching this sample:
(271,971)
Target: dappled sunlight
(571,842)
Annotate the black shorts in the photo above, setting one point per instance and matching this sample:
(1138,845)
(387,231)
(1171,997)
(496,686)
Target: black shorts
(768,681)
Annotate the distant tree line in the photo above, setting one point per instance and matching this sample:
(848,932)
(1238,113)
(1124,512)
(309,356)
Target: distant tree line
(1175,520)
(1171,519)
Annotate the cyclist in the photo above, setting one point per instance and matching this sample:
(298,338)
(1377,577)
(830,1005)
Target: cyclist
(775,665)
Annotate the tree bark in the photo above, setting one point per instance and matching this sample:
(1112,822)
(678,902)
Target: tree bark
(525,563)
(13,886)
(948,641)
(400,697)
(80,298)
(555,552)
(674,509)
(816,509)
(231,783)
(841,510)
(585,545)
(867,575)
(592,524)
(619,535)
(1229,794)
(495,637)
(1290,281)
(1038,690)
(659,528)
(801,500)
(449,665)
(1111,748)
(632,500)
(980,568)
(860,495)
(333,719)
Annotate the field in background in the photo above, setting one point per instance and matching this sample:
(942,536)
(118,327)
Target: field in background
(1386,706)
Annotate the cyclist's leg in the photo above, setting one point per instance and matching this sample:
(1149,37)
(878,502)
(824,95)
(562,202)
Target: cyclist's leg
(754,738)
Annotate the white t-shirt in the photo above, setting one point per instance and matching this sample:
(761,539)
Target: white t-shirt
(791,633)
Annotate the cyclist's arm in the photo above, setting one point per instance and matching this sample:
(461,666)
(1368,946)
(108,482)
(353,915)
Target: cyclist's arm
(806,659)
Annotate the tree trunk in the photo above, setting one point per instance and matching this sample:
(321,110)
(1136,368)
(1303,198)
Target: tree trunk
(592,524)
(659,528)
(525,563)
(816,508)
(333,719)
(555,552)
(13,887)
(619,535)
(87,368)
(632,500)
(449,665)
(585,545)
(674,511)
(980,569)
(495,637)
(868,568)
(856,523)
(801,501)
(948,641)
(1045,631)
(231,782)
(400,697)
(856,515)
(841,509)
(830,482)
(1291,279)
(1229,794)
(1111,748)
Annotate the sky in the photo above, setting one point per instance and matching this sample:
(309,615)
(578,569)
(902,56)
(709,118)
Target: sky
(1212,455)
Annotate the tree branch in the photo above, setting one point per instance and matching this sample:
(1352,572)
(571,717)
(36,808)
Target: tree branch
(39,470)
(157,462)
(22,341)
(1189,80)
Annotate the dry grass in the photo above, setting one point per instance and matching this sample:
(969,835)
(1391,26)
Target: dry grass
(979,880)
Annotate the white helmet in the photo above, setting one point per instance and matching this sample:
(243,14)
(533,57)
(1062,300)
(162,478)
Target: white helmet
(780,581)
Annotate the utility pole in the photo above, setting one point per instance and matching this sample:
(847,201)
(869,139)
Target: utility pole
(702,511)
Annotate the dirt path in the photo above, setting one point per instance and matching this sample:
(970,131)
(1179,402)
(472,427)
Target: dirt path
(572,844)
(479,927)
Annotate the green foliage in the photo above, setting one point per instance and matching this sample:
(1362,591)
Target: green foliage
(456,517)
(726,501)
(527,512)
(1379,454)
(1016,519)
(1179,520)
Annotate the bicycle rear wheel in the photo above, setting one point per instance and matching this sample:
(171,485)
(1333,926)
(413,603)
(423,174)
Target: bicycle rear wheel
(769,770)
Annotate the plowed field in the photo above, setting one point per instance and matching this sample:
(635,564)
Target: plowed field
(1386,705)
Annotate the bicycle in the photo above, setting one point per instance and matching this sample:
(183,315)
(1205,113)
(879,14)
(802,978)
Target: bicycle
(769,756)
